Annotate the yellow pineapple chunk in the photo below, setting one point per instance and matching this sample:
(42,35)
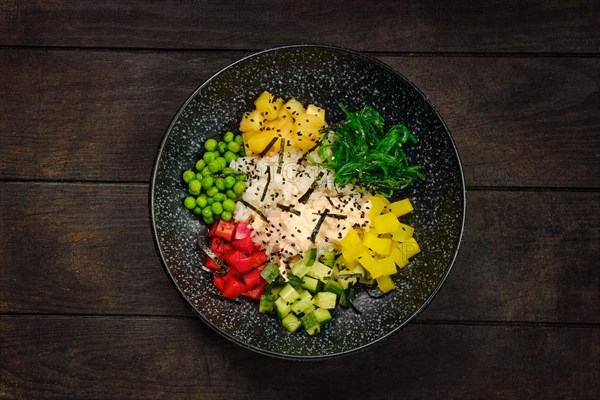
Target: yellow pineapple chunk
(304,120)
(314,110)
(252,121)
(294,107)
(258,143)
(265,104)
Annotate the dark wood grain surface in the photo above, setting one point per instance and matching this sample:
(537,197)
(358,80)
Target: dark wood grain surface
(87,90)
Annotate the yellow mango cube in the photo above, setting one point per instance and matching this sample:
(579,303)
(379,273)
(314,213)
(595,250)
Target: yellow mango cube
(387,266)
(379,245)
(378,203)
(398,256)
(369,263)
(410,247)
(385,223)
(401,207)
(403,233)
(385,283)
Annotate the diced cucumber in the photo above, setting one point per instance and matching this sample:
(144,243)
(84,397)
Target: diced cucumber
(323,316)
(325,300)
(267,303)
(312,284)
(344,281)
(328,258)
(309,309)
(310,256)
(291,323)
(337,288)
(303,302)
(334,286)
(289,294)
(276,289)
(319,270)
(310,323)
(300,268)
(283,307)
(270,272)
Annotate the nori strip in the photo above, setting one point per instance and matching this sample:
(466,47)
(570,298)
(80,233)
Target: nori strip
(311,189)
(256,210)
(262,198)
(268,147)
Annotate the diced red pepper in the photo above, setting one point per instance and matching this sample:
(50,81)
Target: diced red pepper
(225,230)
(219,282)
(233,287)
(246,245)
(213,229)
(252,261)
(253,279)
(233,257)
(254,293)
(210,264)
(242,230)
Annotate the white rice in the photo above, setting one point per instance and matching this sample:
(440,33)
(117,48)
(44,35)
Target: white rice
(284,235)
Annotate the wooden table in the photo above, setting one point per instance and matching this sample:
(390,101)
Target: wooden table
(87,90)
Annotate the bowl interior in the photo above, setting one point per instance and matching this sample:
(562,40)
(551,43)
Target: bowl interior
(324,76)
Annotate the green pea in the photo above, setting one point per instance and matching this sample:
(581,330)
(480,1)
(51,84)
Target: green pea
(240,177)
(209,201)
(226,215)
(189,202)
(239,187)
(200,165)
(208,220)
(209,156)
(199,175)
(197,210)
(228,171)
(231,194)
(239,139)
(220,184)
(229,157)
(205,172)
(222,162)
(228,205)
(188,176)
(207,211)
(194,187)
(220,197)
(222,147)
(210,144)
(233,147)
(212,191)
(207,182)
(217,208)
(214,166)
(229,181)
(228,136)
(201,201)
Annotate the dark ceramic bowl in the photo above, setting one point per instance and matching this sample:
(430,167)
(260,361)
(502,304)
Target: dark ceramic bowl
(325,76)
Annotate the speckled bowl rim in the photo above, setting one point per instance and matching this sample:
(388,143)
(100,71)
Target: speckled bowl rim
(152,201)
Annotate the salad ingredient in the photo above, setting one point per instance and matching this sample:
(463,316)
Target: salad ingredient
(237,263)
(214,181)
(385,246)
(273,124)
(363,153)
(307,299)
